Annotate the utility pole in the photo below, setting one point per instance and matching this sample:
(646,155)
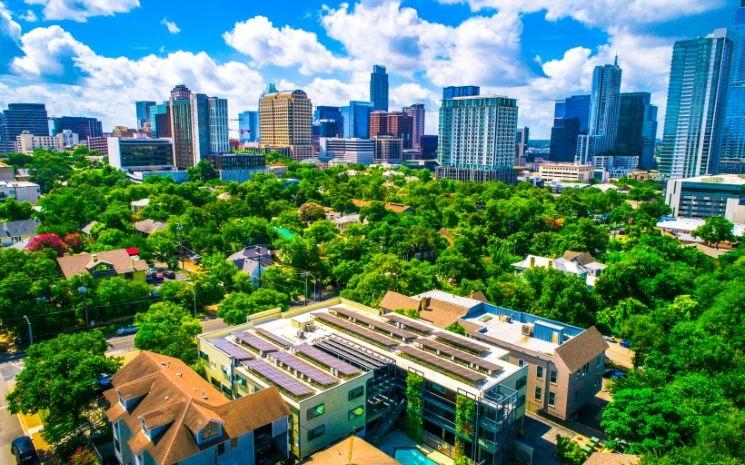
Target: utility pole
(30,332)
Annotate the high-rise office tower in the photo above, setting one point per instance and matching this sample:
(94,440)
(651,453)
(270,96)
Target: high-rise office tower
(218,124)
(160,120)
(522,137)
(356,120)
(200,122)
(379,88)
(394,123)
(477,138)
(327,121)
(19,117)
(732,156)
(285,119)
(571,118)
(460,91)
(696,101)
(248,126)
(182,129)
(80,125)
(604,112)
(416,112)
(637,128)
(142,111)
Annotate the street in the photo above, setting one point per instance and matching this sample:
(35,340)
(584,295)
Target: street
(123,344)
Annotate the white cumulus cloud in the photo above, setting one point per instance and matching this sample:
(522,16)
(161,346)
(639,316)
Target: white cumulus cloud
(170,25)
(8,26)
(81,10)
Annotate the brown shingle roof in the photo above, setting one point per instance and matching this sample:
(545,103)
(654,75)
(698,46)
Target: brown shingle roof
(581,349)
(601,458)
(72,265)
(583,258)
(174,396)
(441,313)
(351,451)
(393,301)
(149,226)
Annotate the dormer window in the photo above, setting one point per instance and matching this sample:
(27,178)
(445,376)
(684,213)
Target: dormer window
(209,432)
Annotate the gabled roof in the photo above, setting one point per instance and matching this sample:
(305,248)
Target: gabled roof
(581,349)
(18,228)
(72,265)
(149,226)
(605,458)
(393,301)
(351,451)
(173,397)
(249,258)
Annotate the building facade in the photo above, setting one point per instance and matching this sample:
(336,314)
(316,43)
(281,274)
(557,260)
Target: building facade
(477,134)
(237,167)
(80,125)
(605,106)
(359,151)
(522,137)
(160,120)
(22,191)
(705,196)
(388,149)
(572,172)
(20,117)
(140,154)
(417,114)
(571,119)
(142,113)
(394,123)
(27,142)
(379,88)
(637,128)
(248,126)
(285,120)
(696,104)
(732,156)
(355,119)
(429,147)
(182,131)
(218,125)
(451,92)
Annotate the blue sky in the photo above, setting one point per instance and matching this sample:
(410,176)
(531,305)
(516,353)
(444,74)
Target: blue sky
(96,57)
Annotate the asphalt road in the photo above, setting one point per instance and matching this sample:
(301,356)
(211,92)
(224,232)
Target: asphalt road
(123,344)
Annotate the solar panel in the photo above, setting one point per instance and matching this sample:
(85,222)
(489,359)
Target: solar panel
(438,363)
(302,367)
(325,359)
(351,353)
(231,349)
(274,338)
(377,324)
(462,342)
(365,333)
(279,378)
(255,341)
(409,323)
(460,355)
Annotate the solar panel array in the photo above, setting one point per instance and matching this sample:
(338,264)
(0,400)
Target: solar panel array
(409,323)
(377,324)
(442,364)
(316,375)
(279,340)
(458,354)
(341,367)
(231,349)
(255,341)
(462,342)
(278,377)
(357,330)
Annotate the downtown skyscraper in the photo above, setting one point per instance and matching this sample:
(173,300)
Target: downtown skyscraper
(248,126)
(142,112)
(379,88)
(605,106)
(416,111)
(356,120)
(571,117)
(19,117)
(637,128)
(732,156)
(696,100)
(286,120)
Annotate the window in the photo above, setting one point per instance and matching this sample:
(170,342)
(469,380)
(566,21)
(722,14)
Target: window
(356,412)
(551,398)
(600,360)
(521,382)
(221,448)
(553,377)
(233,443)
(538,393)
(356,392)
(209,431)
(203,356)
(539,372)
(316,432)
(520,401)
(316,411)
(520,362)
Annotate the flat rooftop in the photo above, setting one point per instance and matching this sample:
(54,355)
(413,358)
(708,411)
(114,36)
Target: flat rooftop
(737,179)
(512,333)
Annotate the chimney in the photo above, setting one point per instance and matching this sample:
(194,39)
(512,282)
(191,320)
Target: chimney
(94,258)
(204,394)
(179,374)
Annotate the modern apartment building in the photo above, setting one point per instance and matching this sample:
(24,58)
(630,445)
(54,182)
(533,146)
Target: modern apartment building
(355,120)
(572,172)
(27,142)
(164,413)
(199,126)
(379,88)
(696,104)
(732,156)
(182,131)
(388,149)
(344,368)
(451,92)
(359,151)
(140,154)
(80,125)
(285,120)
(417,113)
(237,167)
(477,138)
(20,117)
(248,126)
(564,363)
(218,125)
(705,196)
(394,123)
(637,128)
(142,113)
(605,106)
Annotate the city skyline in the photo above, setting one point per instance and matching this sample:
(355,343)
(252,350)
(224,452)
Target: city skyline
(325,50)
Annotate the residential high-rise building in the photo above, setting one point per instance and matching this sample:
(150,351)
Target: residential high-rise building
(248,126)
(571,118)
(285,120)
(200,121)
(477,138)
(732,156)
(218,125)
(20,117)
(696,101)
(604,112)
(417,114)
(388,149)
(182,129)
(80,125)
(356,120)
(522,137)
(637,128)
(379,88)
(460,91)
(394,123)
(142,111)
(160,120)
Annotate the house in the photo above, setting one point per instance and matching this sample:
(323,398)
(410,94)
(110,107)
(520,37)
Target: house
(565,363)
(252,260)
(22,191)
(14,232)
(137,205)
(104,264)
(390,206)
(351,451)
(343,221)
(580,264)
(88,228)
(163,413)
(611,458)
(148,226)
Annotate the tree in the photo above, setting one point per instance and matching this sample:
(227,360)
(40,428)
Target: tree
(60,380)
(47,241)
(310,212)
(238,305)
(169,329)
(13,210)
(202,171)
(716,229)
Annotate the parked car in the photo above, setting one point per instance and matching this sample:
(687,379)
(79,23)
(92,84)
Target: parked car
(626,343)
(609,338)
(24,451)
(159,276)
(170,274)
(126,330)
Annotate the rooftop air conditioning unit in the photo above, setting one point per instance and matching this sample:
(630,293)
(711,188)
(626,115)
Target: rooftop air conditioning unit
(508,319)
(527,330)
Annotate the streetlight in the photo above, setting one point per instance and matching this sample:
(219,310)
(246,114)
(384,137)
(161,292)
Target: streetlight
(30,333)
(82,290)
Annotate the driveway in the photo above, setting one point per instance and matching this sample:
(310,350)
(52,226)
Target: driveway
(541,436)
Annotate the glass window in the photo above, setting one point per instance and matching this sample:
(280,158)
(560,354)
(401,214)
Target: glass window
(553,377)
(221,448)
(316,411)
(356,412)
(551,398)
(539,372)
(209,431)
(520,362)
(316,432)
(356,392)
(538,393)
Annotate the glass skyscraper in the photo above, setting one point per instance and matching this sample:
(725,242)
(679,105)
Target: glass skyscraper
(460,91)
(80,125)
(248,126)
(160,125)
(142,110)
(327,121)
(605,106)
(571,117)
(356,119)
(218,121)
(696,99)
(379,88)
(732,156)
(637,128)
(19,117)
